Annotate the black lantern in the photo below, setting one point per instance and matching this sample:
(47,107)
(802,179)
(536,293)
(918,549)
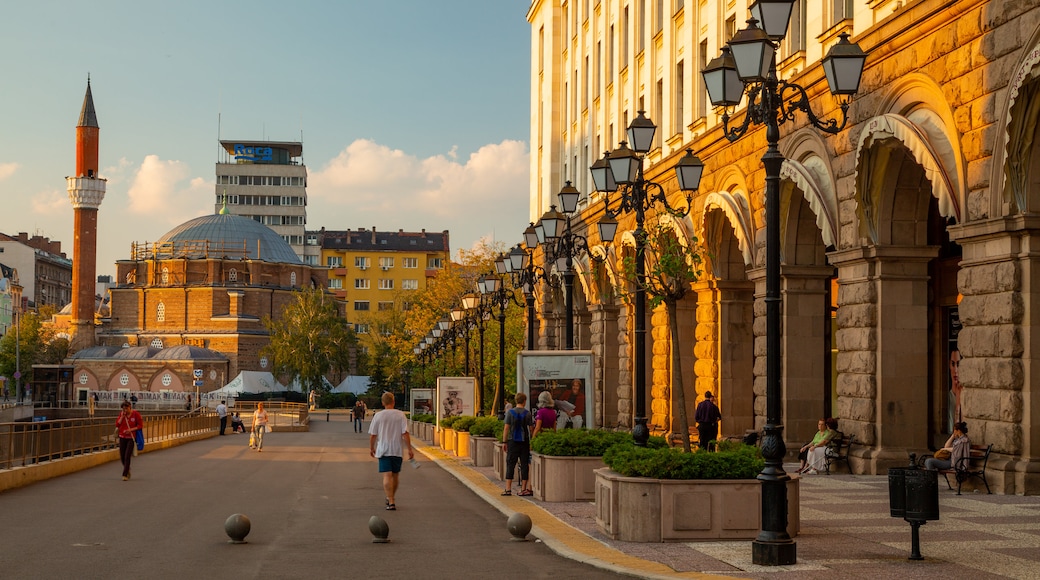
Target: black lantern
(530,237)
(602,178)
(502,265)
(624,164)
(641,133)
(569,196)
(775,16)
(725,89)
(752,52)
(689,170)
(552,224)
(844,66)
(607,227)
(518,259)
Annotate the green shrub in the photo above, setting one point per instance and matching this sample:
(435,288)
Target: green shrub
(446,422)
(577,442)
(423,418)
(741,462)
(486,427)
(463,422)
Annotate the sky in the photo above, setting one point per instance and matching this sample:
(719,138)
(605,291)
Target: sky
(413,114)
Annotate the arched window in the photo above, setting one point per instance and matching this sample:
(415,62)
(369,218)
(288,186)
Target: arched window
(232,275)
(165,278)
(157,343)
(292,279)
(160,312)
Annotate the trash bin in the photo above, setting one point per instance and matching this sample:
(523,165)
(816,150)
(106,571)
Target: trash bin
(922,494)
(897,491)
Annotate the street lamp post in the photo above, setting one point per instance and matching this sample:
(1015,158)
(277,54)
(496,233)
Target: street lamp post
(523,273)
(748,64)
(621,171)
(491,288)
(471,302)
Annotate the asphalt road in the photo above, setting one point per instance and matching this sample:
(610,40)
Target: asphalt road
(309,497)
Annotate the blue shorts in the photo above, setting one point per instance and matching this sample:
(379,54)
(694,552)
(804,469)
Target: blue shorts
(390,463)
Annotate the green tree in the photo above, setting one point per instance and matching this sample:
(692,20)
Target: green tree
(36,344)
(309,339)
(671,268)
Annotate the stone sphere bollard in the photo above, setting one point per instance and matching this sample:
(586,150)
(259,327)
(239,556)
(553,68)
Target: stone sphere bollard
(237,527)
(380,530)
(519,525)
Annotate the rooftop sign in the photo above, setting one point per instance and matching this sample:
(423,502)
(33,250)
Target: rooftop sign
(250,153)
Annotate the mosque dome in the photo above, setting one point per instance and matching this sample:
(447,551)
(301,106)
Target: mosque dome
(187,352)
(228,235)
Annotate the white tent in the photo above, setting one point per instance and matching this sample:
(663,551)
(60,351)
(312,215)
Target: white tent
(352,384)
(297,387)
(249,382)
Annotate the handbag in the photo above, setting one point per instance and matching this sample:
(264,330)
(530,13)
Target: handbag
(139,438)
(252,439)
(267,428)
(943,454)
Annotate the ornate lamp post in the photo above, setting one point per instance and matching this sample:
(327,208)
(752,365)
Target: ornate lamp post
(496,294)
(478,314)
(621,172)
(563,246)
(523,273)
(748,65)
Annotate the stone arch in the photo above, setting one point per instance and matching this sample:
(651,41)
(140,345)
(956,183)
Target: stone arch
(737,214)
(805,168)
(155,384)
(1016,146)
(115,382)
(84,378)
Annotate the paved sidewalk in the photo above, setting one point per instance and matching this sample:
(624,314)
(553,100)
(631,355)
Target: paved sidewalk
(846,532)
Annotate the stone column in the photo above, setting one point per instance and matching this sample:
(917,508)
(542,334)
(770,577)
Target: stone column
(603,337)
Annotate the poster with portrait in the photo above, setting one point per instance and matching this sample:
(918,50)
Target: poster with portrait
(455,396)
(954,411)
(567,376)
(421,401)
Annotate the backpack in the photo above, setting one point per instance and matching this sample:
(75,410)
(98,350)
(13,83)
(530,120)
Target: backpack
(519,425)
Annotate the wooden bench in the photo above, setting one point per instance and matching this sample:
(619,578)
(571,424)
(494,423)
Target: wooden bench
(838,451)
(974,465)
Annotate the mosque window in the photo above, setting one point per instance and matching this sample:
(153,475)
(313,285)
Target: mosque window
(232,275)
(292,279)
(157,343)
(124,379)
(160,312)
(165,277)
(263,362)
(166,380)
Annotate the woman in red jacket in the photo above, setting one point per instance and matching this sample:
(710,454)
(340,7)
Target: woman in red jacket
(126,423)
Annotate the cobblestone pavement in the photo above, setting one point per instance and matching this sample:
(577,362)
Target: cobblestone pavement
(846,532)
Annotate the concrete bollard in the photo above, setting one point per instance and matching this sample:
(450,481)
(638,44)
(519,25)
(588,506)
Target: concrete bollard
(379,529)
(237,528)
(519,525)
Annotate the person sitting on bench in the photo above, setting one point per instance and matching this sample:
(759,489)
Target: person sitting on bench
(956,450)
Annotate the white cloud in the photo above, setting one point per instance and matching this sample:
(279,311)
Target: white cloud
(50,202)
(165,189)
(7,170)
(369,184)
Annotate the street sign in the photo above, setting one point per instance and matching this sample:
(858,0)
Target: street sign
(198,383)
(17,375)
(198,373)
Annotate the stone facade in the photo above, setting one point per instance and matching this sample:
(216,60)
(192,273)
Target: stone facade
(908,238)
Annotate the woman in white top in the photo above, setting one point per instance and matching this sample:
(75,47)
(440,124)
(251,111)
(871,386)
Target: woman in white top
(259,426)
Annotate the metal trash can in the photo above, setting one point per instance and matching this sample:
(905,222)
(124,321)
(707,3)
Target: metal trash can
(922,494)
(897,491)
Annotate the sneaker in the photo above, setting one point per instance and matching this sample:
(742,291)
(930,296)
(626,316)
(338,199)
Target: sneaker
(813,472)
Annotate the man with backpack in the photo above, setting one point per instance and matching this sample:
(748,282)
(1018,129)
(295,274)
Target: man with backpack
(517,435)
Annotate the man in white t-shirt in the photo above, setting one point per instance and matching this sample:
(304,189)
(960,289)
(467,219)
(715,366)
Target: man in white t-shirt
(222,413)
(387,431)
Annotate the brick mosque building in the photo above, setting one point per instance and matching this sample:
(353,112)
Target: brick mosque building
(193,300)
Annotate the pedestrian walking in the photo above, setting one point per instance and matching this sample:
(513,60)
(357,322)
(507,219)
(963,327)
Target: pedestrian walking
(707,417)
(222,413)
(127,423)
(388,434)
(517,434)
(359,414)
(259,427)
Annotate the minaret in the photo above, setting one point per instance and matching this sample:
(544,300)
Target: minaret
(86,191)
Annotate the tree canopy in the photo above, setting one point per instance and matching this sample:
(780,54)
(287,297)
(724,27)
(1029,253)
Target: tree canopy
(36,345)
(309,339)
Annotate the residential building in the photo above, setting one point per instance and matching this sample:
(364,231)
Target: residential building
(266,181)
(50,279)
(907,278)
(375,272)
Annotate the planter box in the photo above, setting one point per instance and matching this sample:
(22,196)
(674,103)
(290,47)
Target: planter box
(482,450)
(462,443)
(448,440)
(427,434)
(555,478)
(438,434)
(640,509)
(499,460)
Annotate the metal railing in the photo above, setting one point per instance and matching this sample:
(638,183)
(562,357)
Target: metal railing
(29,443)
(279,413)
